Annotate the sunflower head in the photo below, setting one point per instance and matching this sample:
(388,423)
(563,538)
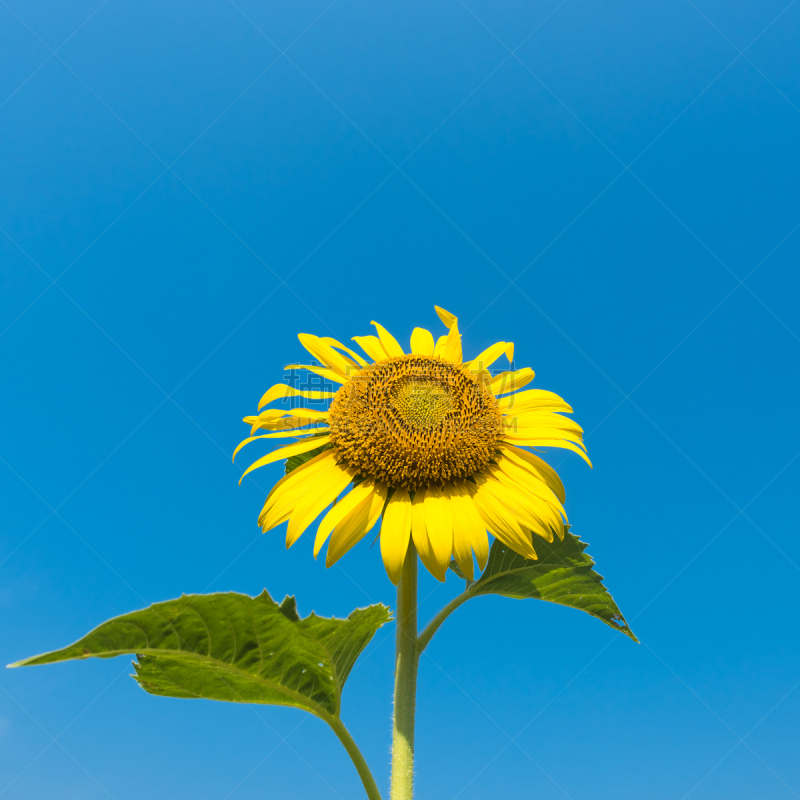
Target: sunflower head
(433,446)
(414,421)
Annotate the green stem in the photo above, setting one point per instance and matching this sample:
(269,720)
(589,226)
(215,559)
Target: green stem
(346,739)
(434,624)
(405,681)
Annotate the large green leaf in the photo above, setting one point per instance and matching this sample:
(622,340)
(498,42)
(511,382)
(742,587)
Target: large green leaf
(233,647)
(562,574)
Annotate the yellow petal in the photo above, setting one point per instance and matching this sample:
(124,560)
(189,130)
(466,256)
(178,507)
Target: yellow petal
(546,428)
(446,317)
(535,495)
(540,435)
(440,345)
(349,503)
(330,374)
(507,382)
(282,435)
(468,512)
(544,421)
(467,526)
(272,414)
(498,520)
(327,487)
(354,528)
(390,344)
(518,506)
(534,505)
(534,398)
(285,452)
(395,533)
(529,479)
(485,359)
(281,500)
(419,533)
(347,533)
(339,346)
(422,342)
(462,552)
(452,347)
(274,419)
(372,346)
(439,525)
(510,352)
(325,354)
(552,429)
(526,440)
(378,503)
(480,540)
(538,466)
(282,391)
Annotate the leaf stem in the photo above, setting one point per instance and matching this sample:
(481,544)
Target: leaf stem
(433,625)
(405,681)
(370,787)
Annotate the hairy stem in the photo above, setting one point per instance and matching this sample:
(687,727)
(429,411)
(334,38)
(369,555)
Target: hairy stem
(405,681)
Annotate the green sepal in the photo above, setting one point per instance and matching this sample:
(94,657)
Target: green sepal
(458,571)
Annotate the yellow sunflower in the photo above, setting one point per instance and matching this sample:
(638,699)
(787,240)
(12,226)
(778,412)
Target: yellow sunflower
(430,443)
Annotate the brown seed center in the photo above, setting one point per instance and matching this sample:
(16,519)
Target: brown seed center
(414,421)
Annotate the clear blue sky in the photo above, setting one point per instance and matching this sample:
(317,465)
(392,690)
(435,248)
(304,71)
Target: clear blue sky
(611,185)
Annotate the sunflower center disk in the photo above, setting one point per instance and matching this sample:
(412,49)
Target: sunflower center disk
(422,403)
(414,421)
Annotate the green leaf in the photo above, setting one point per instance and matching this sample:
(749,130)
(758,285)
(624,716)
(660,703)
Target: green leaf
(562,574)
(236,648)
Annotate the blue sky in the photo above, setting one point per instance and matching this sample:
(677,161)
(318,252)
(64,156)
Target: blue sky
(610,185)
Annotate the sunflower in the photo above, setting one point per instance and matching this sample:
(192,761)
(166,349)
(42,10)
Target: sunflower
(431,444)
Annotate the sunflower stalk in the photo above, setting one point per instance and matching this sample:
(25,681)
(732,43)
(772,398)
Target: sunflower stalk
(405,681)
